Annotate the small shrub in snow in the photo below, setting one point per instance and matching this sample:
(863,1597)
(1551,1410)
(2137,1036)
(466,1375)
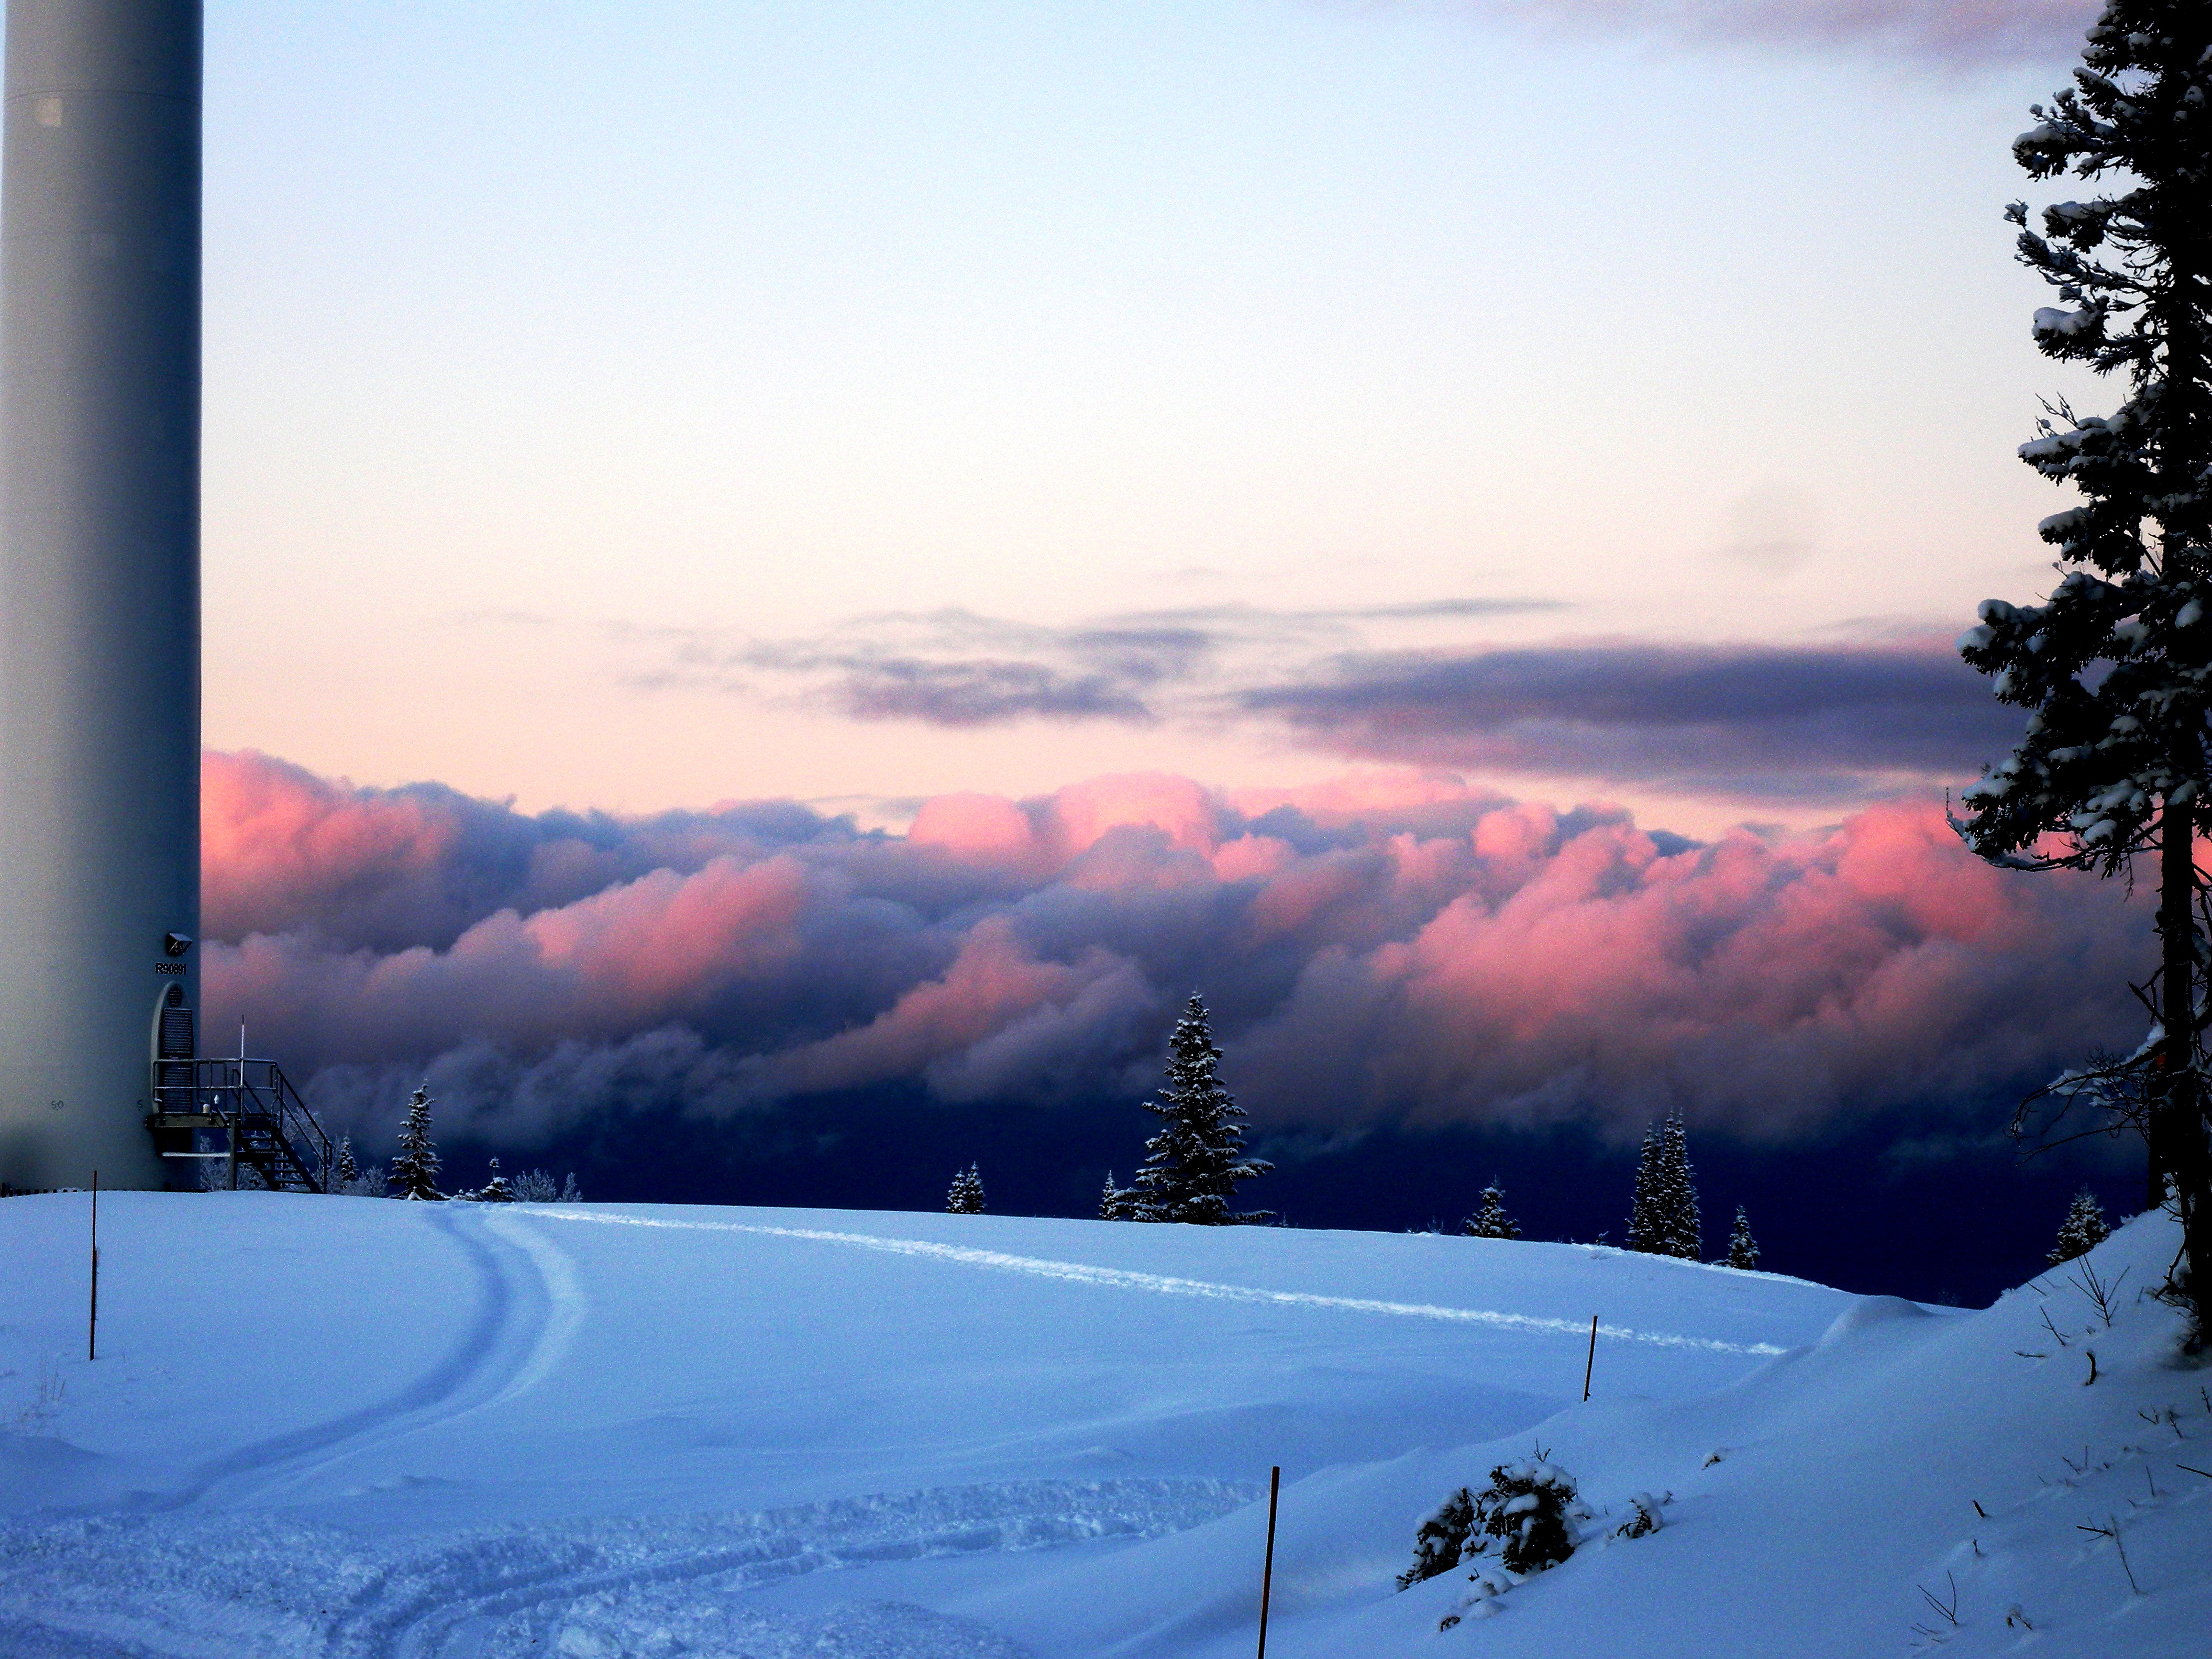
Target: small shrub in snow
(538,1187)
(1644,1519)
(1442,1539)
(2083,1230)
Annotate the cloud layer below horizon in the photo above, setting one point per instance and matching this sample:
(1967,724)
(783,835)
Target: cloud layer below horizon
(1397,947)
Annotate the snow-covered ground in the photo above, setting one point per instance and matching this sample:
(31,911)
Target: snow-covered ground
(353,1427)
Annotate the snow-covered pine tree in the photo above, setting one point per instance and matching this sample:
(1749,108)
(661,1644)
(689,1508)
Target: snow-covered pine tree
(1490,1221)
(2082,1230)
(1675,1197)
(1191,1166)
(966,1196)
(345,1172)
(496,1190)
(1743,1248)
(1644,1228)
(2115,666)
(1117,1203)
(415,1170)
(570,1191)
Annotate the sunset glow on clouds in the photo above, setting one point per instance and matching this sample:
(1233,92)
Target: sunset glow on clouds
(1395,948)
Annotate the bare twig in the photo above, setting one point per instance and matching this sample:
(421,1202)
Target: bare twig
(2092,1377)
(2052,1328)
(1978,1510)
(2111,1530)
(1949,1612)
(2193,1469)
(2100,1291)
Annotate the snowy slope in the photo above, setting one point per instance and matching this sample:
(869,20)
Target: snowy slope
(334,1427)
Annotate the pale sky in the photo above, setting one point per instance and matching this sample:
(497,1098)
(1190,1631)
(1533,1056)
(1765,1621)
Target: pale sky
(592,386)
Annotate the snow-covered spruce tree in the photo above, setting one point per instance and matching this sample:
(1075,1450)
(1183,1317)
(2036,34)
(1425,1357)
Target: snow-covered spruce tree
(2115,666)
(1117,1203)
(496,1190)
(1191,1166)
(2082,1230)
(1643,1225)
(415,1170)
(966,1195)
(1675,1197)
(1743,1248)
(344,1172)
(1490,1221)
(1442,1538)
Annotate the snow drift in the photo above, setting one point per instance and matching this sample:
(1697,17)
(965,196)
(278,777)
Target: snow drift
(339,1427)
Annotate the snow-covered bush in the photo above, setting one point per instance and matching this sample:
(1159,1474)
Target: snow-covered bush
(1644,1517)
(1522,1523)
(1530,1508)
(1442,1539)
(538,1187)
(367,1182)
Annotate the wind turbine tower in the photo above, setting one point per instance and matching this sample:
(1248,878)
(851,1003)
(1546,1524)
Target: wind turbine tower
(100,626)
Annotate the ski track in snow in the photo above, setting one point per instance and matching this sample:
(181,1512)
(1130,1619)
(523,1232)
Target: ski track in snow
(528,1310)
(195,1586)
(1162,1284)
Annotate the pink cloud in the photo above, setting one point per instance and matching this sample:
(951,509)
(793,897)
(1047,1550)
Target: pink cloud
(1402,948)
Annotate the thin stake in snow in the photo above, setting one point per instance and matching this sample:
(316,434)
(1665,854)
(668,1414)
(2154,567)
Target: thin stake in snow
(1268,1568)
(92,1321)
(1590,1364)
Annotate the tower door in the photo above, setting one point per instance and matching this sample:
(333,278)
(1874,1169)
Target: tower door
(174,1049)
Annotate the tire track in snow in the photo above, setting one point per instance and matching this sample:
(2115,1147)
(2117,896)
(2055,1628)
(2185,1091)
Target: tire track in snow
(1077,1272)
(527,1309)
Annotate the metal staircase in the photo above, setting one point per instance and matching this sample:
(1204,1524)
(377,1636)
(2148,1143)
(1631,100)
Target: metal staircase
(252,1109)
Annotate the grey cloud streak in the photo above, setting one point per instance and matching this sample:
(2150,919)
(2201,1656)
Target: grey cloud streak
(1779,720)
(1841,723)
(1956,34)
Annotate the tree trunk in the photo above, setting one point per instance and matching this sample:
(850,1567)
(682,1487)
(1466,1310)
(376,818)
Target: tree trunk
(2176,1126)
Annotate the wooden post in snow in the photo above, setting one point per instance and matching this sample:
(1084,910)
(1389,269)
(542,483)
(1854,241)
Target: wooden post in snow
(91,1322)
(1267,1572)
(1590,1365)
